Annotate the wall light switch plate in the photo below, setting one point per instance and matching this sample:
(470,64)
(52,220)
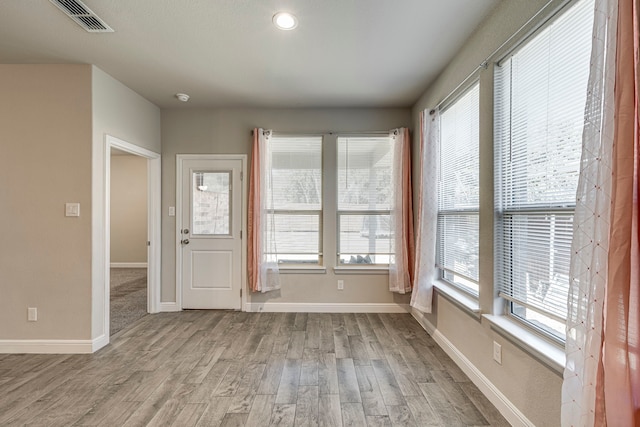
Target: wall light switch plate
(32,314)
(172,211)
(72,209)
(340,285)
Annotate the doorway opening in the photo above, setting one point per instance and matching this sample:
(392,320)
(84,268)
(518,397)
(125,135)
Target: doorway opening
(131,234)
(128,239)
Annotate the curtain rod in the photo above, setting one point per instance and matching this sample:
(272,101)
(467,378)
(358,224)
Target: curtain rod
(485,64)
(364,132)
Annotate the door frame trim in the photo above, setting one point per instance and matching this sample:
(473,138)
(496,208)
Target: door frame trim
(154,227)
(101,230)
(180,158)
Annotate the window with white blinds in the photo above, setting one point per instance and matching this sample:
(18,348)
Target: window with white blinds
(294,198)
(364,199)
(458,192)
(540,94)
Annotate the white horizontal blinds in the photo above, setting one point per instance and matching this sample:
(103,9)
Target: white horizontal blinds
(364,199)
(458,191)
(540,94)
(294,198)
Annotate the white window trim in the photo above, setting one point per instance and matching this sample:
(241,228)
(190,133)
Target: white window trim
(329,236)
(293,269)
(359,269)
(458,297)
(550,354)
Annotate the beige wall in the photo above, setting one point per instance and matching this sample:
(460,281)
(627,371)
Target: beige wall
(531,386)
(45,161)
(228,131)
(128,209)
(53,122)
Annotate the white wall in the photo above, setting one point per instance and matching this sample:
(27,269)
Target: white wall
(531,386)
(128,209)
(119,112)
(228,131)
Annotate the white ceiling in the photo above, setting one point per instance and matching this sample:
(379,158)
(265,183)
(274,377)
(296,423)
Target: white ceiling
(227,53)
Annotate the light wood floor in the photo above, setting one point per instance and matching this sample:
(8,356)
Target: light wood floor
(221,368)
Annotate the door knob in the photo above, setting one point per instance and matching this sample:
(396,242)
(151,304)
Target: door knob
(184,241)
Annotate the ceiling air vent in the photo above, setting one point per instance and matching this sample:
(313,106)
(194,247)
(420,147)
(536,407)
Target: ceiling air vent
(82,15)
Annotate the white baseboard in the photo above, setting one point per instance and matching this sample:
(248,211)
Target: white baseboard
(491,392)
(99,342)
(47,346)
(428,326)
(169,306)
(128,265)
(285,307)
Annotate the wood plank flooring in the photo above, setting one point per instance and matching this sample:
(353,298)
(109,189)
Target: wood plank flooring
(223,368)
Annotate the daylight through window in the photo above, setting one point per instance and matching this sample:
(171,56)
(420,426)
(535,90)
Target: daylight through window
(540,94)
(294,199)
(364,199)
(458,192)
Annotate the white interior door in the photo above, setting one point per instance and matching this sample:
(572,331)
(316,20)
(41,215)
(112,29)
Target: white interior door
(210,233)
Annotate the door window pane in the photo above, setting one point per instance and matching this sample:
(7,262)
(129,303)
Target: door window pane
(211,203)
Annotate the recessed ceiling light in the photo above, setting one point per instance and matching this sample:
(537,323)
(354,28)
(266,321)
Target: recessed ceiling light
(285,21)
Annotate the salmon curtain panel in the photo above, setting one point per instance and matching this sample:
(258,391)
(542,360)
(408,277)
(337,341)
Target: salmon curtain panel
(401,263)
(602,375)
(262,268)
(425,258)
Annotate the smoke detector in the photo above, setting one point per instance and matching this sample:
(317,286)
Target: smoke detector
(82,16)
(182,97)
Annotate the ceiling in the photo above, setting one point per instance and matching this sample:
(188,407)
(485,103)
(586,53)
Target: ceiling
(227,53)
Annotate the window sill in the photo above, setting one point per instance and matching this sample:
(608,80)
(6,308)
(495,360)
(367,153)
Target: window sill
(547,353)
(468,304)
(314,269)
(361,270)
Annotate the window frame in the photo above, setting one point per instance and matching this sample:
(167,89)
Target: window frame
(364,212)
(290,264)
(467,212)
(503,209)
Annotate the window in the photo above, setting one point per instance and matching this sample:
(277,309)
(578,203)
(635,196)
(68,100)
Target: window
(540,94)
(364,199)
(458,192)
(211,208)
(294,199)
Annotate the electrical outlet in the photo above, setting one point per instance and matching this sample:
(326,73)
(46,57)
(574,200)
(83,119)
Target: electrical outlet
(32,314)
(340,285)
(497,353)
